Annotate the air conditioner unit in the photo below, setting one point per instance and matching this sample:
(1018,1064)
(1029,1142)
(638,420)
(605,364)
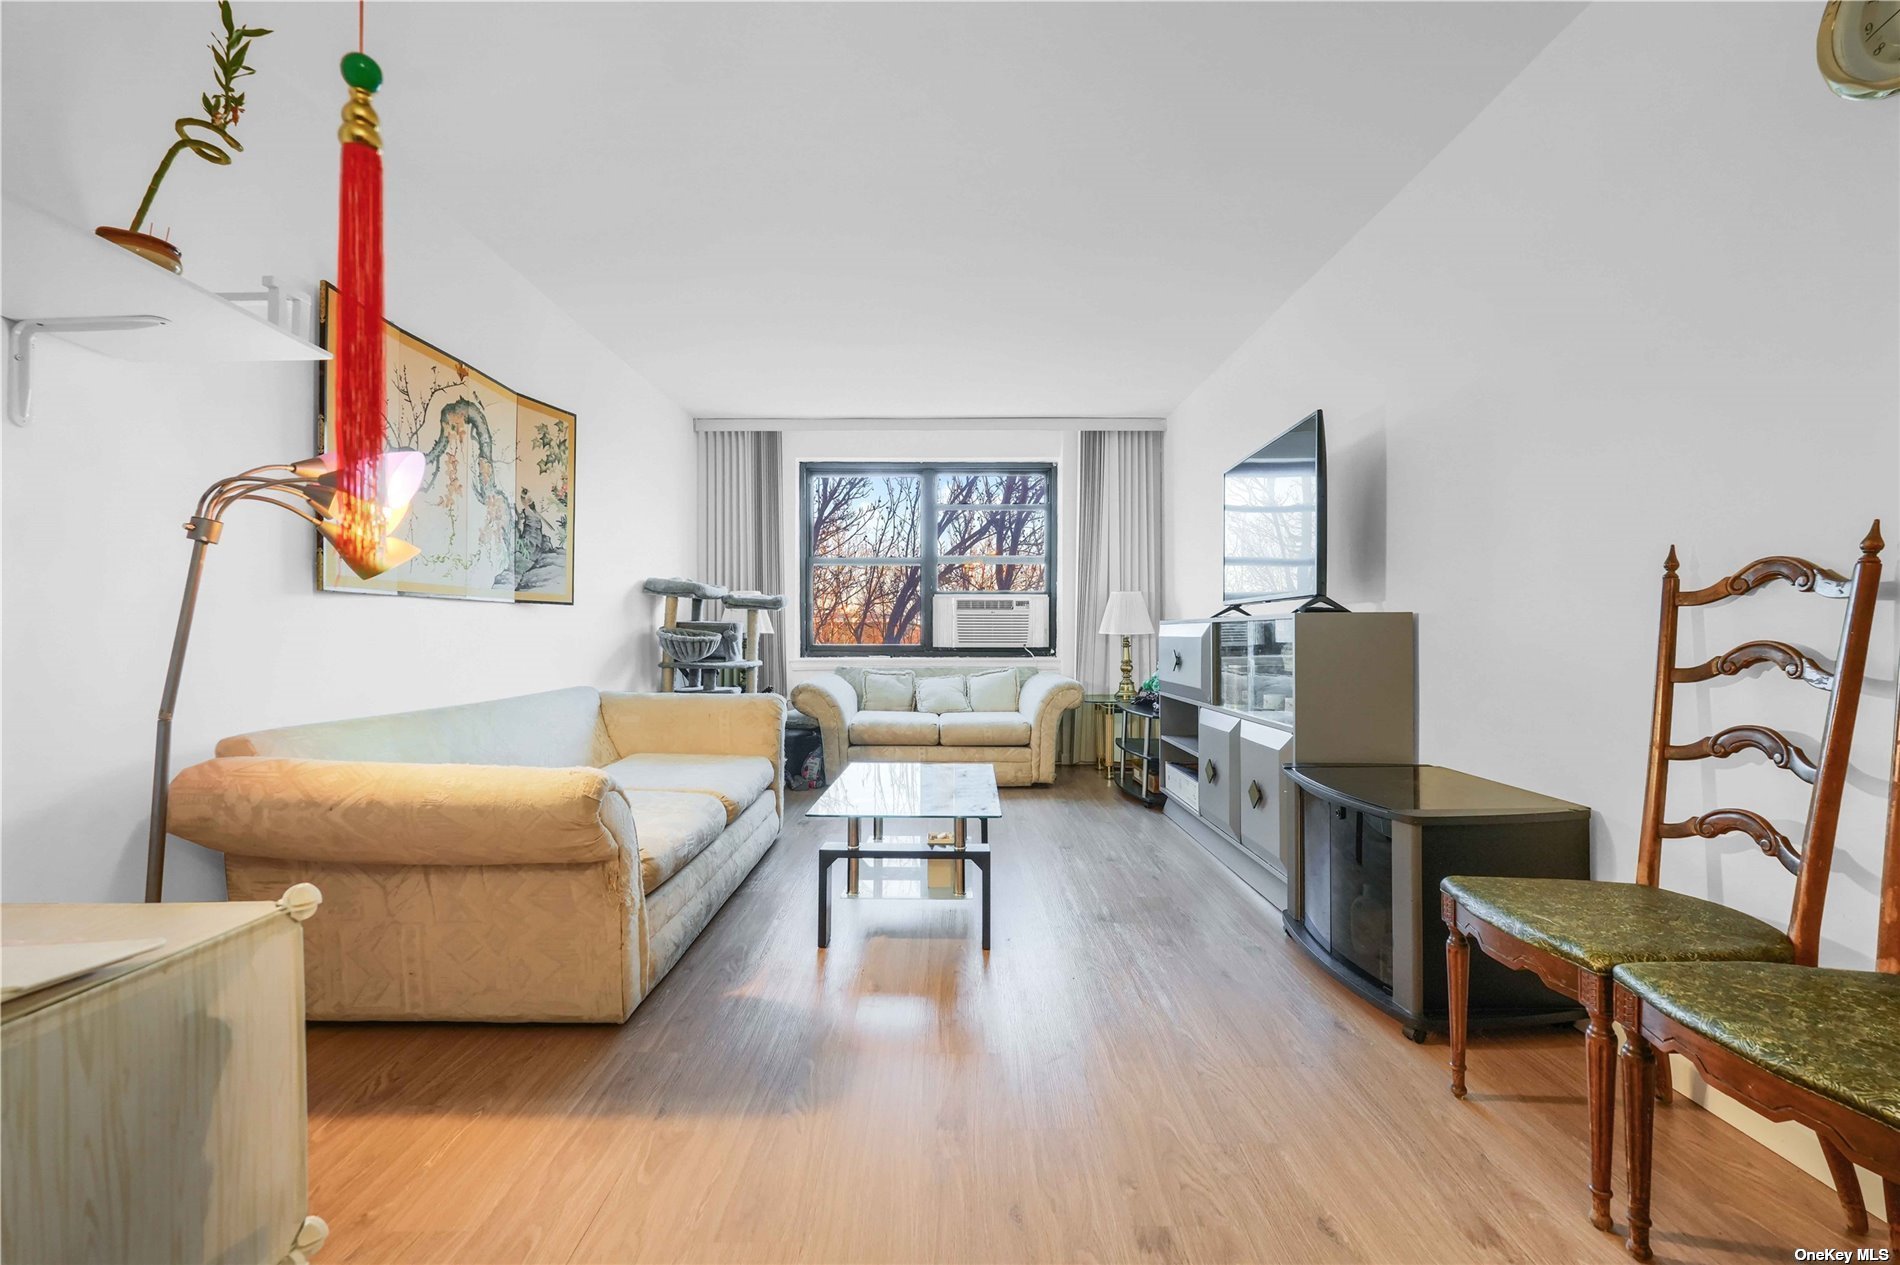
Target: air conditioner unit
(990,621)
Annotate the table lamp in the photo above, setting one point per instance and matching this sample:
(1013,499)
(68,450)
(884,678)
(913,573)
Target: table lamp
(311,490)
(1126,617)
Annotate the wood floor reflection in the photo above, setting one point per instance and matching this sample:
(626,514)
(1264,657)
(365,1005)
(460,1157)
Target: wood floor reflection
(1144,1069)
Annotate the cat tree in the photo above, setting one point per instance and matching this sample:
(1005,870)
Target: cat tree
(728,660)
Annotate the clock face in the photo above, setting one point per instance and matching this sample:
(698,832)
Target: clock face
(1859,47)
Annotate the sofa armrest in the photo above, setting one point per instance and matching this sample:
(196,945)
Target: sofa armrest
(699,724)
(829,700)
(1045,696)
(373,813)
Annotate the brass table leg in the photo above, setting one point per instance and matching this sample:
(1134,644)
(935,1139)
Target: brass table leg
(960,836)
(851,834)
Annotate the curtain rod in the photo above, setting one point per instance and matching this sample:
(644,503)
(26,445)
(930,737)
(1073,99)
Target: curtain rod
(703,424)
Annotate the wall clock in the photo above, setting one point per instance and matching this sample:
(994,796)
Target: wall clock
(1859,47)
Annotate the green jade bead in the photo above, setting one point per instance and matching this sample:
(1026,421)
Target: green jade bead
(361,71)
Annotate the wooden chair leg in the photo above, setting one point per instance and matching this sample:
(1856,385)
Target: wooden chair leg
(1890,1195)
(1458,1001)
(1599,1051)
(1846,1187)
(1636,1062)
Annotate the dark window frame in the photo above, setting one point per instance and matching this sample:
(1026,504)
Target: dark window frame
(928,560)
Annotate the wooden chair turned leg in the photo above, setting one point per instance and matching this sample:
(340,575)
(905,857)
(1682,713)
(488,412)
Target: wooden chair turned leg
(1846,1187)
(1890,1195)
(1458,998)
(1599,1052)
(1637,1063)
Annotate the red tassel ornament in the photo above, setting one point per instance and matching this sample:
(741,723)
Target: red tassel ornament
(361,393)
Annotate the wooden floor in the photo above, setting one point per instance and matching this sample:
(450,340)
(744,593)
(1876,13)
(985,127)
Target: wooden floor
(1145,1069)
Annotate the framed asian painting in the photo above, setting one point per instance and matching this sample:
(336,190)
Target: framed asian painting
(494,519)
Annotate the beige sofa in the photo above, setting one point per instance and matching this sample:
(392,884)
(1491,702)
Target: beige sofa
(1020,743)
(543,858)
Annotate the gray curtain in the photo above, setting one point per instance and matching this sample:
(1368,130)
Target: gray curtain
(740,528)
(1120,548)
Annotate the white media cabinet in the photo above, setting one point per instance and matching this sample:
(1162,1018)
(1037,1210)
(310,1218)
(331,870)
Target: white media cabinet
(1244,697)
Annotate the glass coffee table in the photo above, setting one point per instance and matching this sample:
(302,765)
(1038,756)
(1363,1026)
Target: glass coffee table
(875,792)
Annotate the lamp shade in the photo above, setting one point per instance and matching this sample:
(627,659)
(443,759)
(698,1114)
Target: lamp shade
(1127,615)
(399,477)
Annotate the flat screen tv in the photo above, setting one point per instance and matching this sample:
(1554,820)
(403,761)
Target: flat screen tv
(1274,528)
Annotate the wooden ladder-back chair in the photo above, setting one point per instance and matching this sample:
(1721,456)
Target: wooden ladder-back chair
(1817,1046)
(1575,932)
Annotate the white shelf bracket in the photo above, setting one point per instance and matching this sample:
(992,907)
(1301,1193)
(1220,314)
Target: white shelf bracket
(20,337)
(287,311)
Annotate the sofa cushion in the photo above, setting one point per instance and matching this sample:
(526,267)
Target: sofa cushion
(888,692)
(894,729)
(735,780)
(672,827)
(984,729)
(998,691)
(942,694)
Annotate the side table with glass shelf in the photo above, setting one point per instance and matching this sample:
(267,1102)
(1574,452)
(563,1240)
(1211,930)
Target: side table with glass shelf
(1135,759)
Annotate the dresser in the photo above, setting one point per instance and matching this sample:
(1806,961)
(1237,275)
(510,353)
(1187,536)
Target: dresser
(155,1108)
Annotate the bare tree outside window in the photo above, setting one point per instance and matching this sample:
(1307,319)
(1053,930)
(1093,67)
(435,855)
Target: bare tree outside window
(872,570)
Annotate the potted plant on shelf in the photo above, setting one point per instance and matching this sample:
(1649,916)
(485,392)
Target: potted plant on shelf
(222,110)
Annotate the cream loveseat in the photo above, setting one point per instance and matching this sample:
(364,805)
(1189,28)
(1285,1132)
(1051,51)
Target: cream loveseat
(1014,731)
(543,858)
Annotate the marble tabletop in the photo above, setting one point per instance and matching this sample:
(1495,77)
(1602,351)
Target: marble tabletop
(867,789)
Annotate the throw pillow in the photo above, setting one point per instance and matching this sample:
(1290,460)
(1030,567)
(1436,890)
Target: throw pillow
(941,694)
(889,691)
(994,691)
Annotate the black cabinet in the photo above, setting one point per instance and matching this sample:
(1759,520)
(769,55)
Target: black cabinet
(1375,840)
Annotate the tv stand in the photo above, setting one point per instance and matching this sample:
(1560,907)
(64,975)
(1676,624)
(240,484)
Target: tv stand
(1318,602)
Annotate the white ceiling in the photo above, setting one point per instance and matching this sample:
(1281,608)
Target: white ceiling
(933,209)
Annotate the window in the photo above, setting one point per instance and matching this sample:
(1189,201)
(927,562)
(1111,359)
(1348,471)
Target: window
(881,542)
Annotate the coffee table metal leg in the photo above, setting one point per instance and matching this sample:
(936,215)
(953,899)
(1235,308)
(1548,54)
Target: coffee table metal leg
(824,901)
(984,865)
(986,829)
(852,832)
(959,837)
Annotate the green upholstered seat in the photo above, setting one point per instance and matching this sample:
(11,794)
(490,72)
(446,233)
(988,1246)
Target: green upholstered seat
(1600,926)
(1834,1032)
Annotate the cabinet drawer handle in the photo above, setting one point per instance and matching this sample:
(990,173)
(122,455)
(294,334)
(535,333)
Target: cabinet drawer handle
(1209,772)
(1177,661)
(1340,813)
(1255,795)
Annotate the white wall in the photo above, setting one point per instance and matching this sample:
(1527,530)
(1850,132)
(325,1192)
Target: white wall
(1646,297)
(96,488)
(921,441)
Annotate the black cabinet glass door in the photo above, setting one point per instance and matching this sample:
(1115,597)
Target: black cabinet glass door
(1360,883)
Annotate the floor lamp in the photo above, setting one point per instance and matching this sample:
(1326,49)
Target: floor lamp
(309,490)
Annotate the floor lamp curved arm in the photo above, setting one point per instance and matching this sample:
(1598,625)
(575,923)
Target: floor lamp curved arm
(309,491)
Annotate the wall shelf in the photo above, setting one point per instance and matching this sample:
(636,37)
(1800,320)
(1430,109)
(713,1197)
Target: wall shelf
(59,273)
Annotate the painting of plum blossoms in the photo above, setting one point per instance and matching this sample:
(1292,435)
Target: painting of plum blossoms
(494,519)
